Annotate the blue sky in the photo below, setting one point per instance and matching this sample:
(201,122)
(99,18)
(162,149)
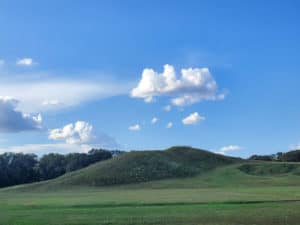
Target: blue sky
(68,61)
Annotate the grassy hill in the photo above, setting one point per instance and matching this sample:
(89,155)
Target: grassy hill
(143,166)
(224,195)
(175,186)
(270,168)
(176,167)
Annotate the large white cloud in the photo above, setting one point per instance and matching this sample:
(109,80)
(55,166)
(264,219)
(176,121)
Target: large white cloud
(194,85)
(193,118)
(81,133)
(13,120)
(77,133)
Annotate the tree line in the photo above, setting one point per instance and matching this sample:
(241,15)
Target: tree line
(291,156)
(20,168)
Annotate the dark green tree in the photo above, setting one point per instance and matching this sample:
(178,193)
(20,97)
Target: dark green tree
(52,165)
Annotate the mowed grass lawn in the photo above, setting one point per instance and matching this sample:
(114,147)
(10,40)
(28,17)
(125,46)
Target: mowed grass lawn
(275,205)
(223,197)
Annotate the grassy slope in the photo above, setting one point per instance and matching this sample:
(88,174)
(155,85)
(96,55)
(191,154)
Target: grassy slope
(270,168)
(263,193)
(222,196)
(143,166)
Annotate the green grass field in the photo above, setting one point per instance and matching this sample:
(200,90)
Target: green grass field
(227,195)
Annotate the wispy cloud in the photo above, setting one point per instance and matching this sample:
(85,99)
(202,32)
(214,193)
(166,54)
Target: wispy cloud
(25,62)
(41,149)
(2,62)
(2,140)
(52,102)
(192,119)
(294,146)
(167,108)
(169,125)
(230,148)
(154,120)
(37,95)
(135,127)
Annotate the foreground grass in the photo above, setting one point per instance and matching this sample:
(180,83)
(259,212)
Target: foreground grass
(46,211)
(223,214)
(225,196)
(212,206)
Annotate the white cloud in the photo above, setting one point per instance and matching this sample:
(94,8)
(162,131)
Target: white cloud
(25,62)
(77,133)
(154,120)
(82,134)
(41,95)
(294,146)
(194,85)
(135,127)
(13,120)
(41,149)
(168,108)
(51,102)
(193,118)
(169,125)
(228,148)
(51,105)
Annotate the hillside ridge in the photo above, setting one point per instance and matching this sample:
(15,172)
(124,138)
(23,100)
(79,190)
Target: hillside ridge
(144,166)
